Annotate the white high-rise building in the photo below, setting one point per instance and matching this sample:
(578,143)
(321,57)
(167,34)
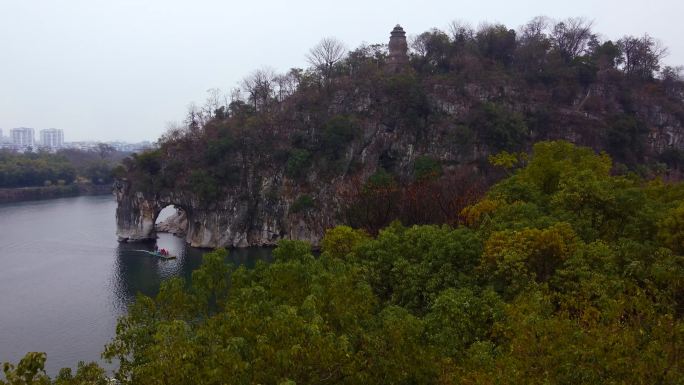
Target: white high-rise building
(52,137)
(22,137)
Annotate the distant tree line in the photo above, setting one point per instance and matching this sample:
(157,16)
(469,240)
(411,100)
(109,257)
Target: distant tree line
(34,169)
(67,166)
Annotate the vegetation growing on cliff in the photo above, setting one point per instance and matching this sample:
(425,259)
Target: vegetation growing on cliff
(563,273)
(465,94)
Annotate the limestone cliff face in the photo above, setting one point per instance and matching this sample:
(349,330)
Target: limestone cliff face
(232,221)
(135,213)
(176,224)
(260,207)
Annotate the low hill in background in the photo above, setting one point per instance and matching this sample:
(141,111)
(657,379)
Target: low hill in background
(363,138)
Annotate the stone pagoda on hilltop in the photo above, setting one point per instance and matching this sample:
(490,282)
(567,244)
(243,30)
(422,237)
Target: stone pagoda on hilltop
(398,50)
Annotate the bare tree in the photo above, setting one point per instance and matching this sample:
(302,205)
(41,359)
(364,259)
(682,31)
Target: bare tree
(213,103)
(287,83)
(535,29)
(325,54)
(194,119)
(673,74)
(281,84)
(418,44)
(174,132)
(641,56)
(235,95)
(571,36)
(260,87)
(460,31)
(673,81)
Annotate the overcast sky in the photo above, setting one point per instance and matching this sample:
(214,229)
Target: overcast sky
(122,69)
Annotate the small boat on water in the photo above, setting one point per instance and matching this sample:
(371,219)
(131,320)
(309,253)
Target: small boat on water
(158,254)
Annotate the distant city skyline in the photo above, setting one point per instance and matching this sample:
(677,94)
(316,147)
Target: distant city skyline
(24,138)
(108,70)
(5,133)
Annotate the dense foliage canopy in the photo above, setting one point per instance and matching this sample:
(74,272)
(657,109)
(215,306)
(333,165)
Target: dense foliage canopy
(24,170)
(563,274)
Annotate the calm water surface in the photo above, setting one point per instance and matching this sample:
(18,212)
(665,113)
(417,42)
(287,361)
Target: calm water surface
(64,279)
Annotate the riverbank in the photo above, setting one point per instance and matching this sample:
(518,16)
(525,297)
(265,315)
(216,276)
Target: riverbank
(10,195)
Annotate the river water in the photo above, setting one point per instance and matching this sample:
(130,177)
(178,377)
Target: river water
(64,278)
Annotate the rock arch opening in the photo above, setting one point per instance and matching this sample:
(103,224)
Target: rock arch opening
(172,219)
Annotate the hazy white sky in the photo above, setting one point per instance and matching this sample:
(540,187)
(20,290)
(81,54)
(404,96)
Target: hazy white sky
(122,69)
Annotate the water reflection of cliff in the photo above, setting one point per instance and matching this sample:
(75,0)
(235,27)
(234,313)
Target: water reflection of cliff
(138,272)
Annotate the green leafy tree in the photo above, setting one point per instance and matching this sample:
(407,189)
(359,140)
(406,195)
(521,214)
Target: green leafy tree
(426,167)
(563,274)
(499,128)
(342,241)
(297,162)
